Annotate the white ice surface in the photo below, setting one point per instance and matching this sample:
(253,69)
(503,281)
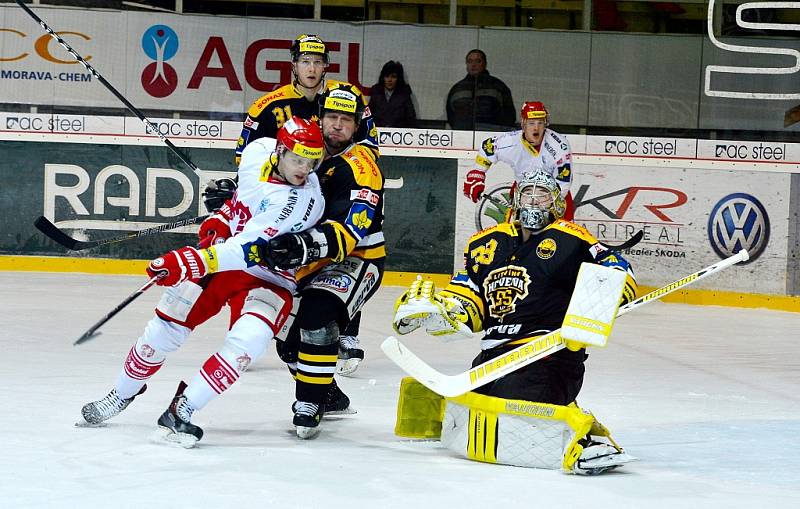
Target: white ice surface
(706,397)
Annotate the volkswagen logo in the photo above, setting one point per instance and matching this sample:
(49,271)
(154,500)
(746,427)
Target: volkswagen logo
(738,221)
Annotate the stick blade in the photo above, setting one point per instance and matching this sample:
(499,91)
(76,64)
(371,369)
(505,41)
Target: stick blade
(89,334)
(48,228)
(408,361)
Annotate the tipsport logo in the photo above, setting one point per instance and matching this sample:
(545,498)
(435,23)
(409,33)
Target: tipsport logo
(159,43)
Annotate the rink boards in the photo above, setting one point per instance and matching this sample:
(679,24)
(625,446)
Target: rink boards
(697,201)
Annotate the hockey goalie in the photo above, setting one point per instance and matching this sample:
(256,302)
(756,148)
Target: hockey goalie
(521,281)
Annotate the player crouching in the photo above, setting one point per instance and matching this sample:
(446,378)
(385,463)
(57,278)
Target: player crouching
(521,281)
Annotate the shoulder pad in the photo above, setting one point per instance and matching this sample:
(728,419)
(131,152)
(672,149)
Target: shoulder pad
(506,229)
(260,104)
(573,229)
(365,169)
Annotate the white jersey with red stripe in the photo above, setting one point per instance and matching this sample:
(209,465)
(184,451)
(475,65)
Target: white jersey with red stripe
(553,155)
(263,208)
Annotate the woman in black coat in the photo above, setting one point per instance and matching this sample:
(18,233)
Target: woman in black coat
(390,99)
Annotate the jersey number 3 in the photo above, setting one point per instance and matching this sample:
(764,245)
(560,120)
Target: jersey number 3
(282,115)
(484,254)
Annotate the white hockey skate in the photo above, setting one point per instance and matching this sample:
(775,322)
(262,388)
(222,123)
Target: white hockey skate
(599,457)
(96,412)
(350,355)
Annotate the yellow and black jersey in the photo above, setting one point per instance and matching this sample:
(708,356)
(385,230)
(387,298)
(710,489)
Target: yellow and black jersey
(269,112)
(352,184)
(514,289)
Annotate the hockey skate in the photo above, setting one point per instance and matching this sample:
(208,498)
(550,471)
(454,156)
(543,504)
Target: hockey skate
(337,402)
(598,457)
(306,419)
(350,355)
(176,421)
(96,412)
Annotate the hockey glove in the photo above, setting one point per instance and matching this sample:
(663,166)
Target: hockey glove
(293,250)
(421,306)
(217,192)
(177,266)
(475,184)
(214,230)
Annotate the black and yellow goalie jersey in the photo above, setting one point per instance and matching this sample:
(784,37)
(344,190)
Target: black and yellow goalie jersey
(515,290)
(269,112)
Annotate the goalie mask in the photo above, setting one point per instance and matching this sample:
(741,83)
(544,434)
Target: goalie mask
(538,201)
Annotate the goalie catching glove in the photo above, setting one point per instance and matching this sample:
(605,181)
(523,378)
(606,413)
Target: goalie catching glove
(421,306)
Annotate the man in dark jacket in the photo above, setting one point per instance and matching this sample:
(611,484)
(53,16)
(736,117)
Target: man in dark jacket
(480,101)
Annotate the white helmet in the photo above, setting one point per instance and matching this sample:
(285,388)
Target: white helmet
(538,201)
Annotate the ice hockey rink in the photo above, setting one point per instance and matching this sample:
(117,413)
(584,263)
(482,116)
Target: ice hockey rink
(705,397)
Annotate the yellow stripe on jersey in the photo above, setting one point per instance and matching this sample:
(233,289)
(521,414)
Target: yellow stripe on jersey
(365,170)
(529,146)
(574,230)
(268,168)
(260,104)
(507,228)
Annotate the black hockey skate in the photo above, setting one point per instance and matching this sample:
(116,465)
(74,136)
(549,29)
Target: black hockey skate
(96,412)
(337,402)
(176,421)
(306,418)
(350,355)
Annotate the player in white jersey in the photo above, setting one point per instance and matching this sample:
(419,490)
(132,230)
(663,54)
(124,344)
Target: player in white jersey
(278,193)
(534,148)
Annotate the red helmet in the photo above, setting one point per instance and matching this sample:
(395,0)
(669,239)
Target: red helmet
(534,109)
(303,137)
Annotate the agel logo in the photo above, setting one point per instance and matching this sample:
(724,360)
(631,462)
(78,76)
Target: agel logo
(160,43)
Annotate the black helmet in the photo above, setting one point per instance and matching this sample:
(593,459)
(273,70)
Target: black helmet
(308,44)
(344,98)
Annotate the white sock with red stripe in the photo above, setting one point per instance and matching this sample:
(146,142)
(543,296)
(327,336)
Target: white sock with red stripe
(215,377)
(142,362)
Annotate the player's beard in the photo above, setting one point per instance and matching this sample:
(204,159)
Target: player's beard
(335,146)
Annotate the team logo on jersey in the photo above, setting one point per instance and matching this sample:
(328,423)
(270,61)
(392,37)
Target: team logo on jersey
(251,255)
(546,249)
(738,221)
(488,146)
(564,173)
(360,218)
(504,287)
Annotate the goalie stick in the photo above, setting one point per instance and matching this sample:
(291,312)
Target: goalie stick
(45,226)
(92,332)
(635,238)
(455,385)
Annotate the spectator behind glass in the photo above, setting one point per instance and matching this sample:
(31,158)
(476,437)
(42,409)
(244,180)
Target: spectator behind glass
(480,101)
(390,99)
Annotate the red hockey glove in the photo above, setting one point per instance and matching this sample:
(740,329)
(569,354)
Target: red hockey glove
(177,266)
(214,230)
(475,184)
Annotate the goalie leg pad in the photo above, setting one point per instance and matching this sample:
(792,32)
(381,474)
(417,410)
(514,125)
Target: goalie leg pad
(513,432)
(419,411)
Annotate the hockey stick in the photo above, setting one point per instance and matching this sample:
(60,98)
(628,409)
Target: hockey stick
(150,125)
(635,239)
(45,226)
(92,332)
(455,385)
